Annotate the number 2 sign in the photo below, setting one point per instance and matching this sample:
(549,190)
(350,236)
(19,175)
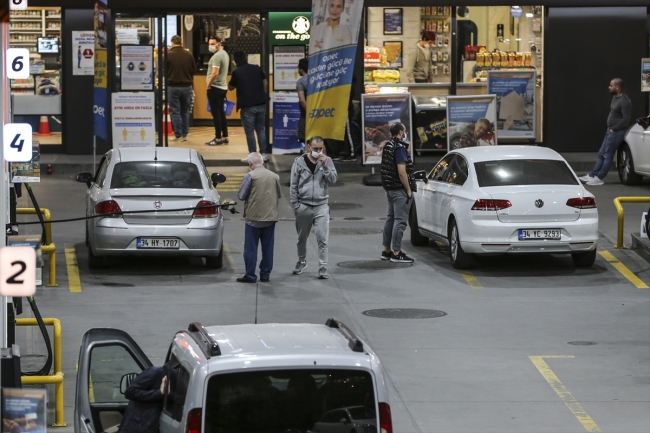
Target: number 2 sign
(17,63)
(17,5)
(17,271)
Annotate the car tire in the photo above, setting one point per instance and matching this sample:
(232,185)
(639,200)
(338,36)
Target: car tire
(625,166)
(94,262)
(584,260)
(459,258)
(417,240)
(215,262)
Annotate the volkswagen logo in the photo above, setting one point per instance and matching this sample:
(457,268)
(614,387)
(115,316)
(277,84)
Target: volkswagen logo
(157,204)
(539,203)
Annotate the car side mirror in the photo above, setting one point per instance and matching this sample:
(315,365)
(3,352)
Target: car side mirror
(217,178)
(421,175)
(344,421)
(643,121)
(126,380)
(85,177)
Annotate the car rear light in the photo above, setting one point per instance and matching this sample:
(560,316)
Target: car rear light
(385,419)
(582,202)
(205,209)
(194,420)
(491,205)
(108,207)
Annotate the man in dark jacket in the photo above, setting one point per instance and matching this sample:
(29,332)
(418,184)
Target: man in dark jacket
(145,396)
(396,175)
(180,77)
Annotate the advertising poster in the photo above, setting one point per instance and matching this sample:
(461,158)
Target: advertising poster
(29,171)
(289,28)
(100,85)
(136,67)
(393,21)
(286,112)
(84,44)
(133,120)
(430,130)
(285,66)
(331,65)
(379,111)
(23,410)
(645,75)
(515,92)
(470,121)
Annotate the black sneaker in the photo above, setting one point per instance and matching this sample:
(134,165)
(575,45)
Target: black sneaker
(401,258)
(385,255)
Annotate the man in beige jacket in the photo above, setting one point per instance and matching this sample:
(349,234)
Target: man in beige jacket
(420,69)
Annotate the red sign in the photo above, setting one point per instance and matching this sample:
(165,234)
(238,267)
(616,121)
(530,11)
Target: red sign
(88,53)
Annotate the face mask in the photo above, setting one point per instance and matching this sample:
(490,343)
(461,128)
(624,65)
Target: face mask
(314,154)
(212,48)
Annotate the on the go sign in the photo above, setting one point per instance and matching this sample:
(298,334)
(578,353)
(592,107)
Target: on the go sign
(289,28)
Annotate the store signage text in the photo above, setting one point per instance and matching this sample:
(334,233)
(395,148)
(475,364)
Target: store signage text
(289,35)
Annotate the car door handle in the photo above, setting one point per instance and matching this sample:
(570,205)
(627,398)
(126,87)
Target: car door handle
(646,132)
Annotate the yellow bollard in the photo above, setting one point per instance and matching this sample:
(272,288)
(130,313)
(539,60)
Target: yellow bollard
(49,248)
(621,215)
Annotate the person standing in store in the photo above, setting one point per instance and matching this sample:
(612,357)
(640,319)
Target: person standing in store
(180,76)
(420,69)
(252,97)
(261,191)
(217,85)
(396,178)
(301,88)
(620,111)
(311,174)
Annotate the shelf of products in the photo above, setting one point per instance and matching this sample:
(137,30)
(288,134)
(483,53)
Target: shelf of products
(437,19)
(25,27)
(143,25)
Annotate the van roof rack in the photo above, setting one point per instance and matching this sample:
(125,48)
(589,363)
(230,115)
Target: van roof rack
(355,344)
(207,344)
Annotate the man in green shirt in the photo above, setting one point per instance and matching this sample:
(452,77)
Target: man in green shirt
(217,85)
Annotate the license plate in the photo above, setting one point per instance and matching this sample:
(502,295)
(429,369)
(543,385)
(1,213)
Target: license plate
(158,243)
(527,234)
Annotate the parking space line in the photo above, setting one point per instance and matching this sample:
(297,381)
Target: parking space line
(231,260)
(627,273)
(576,408)
(73,268)
(471,280)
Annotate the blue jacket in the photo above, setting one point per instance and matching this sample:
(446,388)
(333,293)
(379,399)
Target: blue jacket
(145,402)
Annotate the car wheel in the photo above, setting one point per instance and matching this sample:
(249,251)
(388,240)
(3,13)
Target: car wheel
(459,258)
(215,262)
(417,240)
(584,260)
(626,167)
(454,143)
(94,262)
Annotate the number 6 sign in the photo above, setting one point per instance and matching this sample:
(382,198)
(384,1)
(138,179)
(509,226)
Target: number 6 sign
(17,271)
(17,5)
(17,63)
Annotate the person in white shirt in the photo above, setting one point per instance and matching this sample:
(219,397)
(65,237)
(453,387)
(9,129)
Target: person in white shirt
(331,33)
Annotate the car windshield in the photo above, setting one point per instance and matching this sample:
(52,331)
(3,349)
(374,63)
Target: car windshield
(513,172)
(156,174)
(289,400)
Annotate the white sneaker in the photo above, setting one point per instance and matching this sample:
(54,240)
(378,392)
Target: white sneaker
(264,157)
(594,182)
(587,178)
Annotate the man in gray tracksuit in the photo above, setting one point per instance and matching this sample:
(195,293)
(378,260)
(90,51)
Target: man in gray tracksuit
(311,174)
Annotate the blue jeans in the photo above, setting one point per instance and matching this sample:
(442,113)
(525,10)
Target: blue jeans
(252,118)
(398,215)
(180,99)
(252,238)
(606,153)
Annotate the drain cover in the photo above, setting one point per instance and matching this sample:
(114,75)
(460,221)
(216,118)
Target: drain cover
(373,265)
(404,313)
(353,218)
(352,231)
(117,285)
(582,343)
(344,206)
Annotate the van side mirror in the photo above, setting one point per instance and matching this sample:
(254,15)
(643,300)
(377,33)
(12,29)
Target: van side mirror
(85,177)
(421,175)
(126,380)
(217,178)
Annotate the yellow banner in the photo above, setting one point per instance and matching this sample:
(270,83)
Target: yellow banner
(101,68)
(329,120)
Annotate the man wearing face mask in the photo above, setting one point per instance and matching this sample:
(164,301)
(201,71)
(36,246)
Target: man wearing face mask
(396,178)
(420,69)
(311,174)
(217,85)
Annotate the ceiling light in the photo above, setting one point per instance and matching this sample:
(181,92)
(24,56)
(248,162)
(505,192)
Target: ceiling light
(529,15)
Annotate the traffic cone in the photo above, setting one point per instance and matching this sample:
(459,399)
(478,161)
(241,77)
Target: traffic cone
(44,126)
(167,126)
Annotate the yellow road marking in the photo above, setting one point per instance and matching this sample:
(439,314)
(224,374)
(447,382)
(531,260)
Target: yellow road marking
(231,260)
(471,280)
(73,268)
(638,283)
(564,394)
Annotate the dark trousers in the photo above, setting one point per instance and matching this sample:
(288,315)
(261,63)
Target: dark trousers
(216,97)
(252,238)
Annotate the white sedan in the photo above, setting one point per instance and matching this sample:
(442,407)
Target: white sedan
(505,199)
(633,159)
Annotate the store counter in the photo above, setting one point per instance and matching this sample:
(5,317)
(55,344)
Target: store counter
(420,89)
(463,89)
(201,99)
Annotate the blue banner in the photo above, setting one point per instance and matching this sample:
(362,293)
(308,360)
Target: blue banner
(286,113)
(100,91)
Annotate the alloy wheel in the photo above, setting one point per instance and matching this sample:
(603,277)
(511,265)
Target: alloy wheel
(453,242)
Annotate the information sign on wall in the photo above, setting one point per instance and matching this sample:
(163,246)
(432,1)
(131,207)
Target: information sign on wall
(133,120)
(286,113)
(136,67)
(84,44)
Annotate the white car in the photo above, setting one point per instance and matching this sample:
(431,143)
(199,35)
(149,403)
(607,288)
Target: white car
(633,159)
(505,199)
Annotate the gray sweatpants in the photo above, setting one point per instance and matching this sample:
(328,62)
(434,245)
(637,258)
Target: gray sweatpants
(318,217)
(396,219)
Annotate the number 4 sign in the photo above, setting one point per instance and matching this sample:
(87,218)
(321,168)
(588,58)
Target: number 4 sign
(18,142)
(17,271)
(17,63)
(17,5)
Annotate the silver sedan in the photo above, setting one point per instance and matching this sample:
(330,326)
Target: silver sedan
(153,201)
